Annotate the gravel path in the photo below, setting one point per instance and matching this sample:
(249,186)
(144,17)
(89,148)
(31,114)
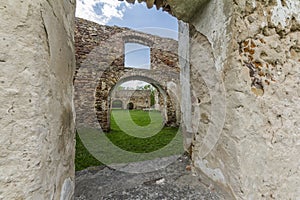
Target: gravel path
(171,182)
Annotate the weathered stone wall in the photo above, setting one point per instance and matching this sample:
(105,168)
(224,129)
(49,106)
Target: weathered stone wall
(37,120)
(100,64)
(140,99)
(252,45)
(267,70)
(255,48)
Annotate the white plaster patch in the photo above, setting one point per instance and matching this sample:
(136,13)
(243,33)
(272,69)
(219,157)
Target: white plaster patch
(184,54)
(281,13)
(171,86)
(214,174)
(254,4)
(213,23)
(67,190)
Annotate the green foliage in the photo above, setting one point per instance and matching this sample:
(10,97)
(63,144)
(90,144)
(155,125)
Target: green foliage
(120,87)
(152,98)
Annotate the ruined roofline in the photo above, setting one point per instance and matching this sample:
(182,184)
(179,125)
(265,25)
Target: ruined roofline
(80,21)
(90,36)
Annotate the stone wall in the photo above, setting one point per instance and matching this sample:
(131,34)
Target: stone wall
(249,50)
(100,68)
(140,99)
(255,50)
(266,69)
(37,64)
(250,47)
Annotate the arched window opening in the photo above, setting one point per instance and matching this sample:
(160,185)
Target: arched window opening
(130,106)
(117,104)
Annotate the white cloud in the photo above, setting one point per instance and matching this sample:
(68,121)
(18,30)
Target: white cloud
(134,84)
(108,9)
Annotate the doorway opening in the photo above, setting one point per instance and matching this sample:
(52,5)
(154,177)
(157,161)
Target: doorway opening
(117,104)
(130,106)
(159,62)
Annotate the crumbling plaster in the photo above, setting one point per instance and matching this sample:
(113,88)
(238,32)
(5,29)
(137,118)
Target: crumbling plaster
(255,50)
(256,155)
(37,116)
(284,11)
(140,99)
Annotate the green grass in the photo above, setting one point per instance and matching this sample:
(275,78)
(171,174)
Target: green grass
(136,139)
(133,131)
(83,158)
(140,117)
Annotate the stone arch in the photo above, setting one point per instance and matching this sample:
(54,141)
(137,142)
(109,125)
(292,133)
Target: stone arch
(117,103)
(104,90)
(139,39)
(103,62)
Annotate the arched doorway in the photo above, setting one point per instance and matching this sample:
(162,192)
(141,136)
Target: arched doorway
(168,97)
(117,104)
(130,106)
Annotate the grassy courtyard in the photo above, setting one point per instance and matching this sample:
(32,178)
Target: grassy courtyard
(136,131)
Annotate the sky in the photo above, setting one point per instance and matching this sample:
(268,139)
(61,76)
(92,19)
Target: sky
(135,16)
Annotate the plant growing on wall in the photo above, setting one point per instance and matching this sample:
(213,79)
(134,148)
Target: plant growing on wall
(152,89)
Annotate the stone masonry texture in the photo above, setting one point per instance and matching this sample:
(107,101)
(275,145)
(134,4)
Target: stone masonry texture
(140,99)
(100,68)
(255,50)
(37,64)
(244,67)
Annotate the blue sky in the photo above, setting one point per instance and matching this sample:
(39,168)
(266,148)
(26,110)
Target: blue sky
(153,21)
(135,16)
(137,56)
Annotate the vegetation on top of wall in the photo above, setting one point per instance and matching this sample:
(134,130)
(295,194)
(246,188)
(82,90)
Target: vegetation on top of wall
(152,95)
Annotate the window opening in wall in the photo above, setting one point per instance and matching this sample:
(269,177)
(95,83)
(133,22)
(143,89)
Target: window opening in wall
(137,56)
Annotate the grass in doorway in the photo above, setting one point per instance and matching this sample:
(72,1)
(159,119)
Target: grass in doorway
(134,131)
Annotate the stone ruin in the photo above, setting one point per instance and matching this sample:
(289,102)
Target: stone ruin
(132,99)
(239,75)
(100,68)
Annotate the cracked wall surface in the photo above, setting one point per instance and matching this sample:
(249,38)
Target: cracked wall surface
(256,154)
(267,64)
(37,119)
